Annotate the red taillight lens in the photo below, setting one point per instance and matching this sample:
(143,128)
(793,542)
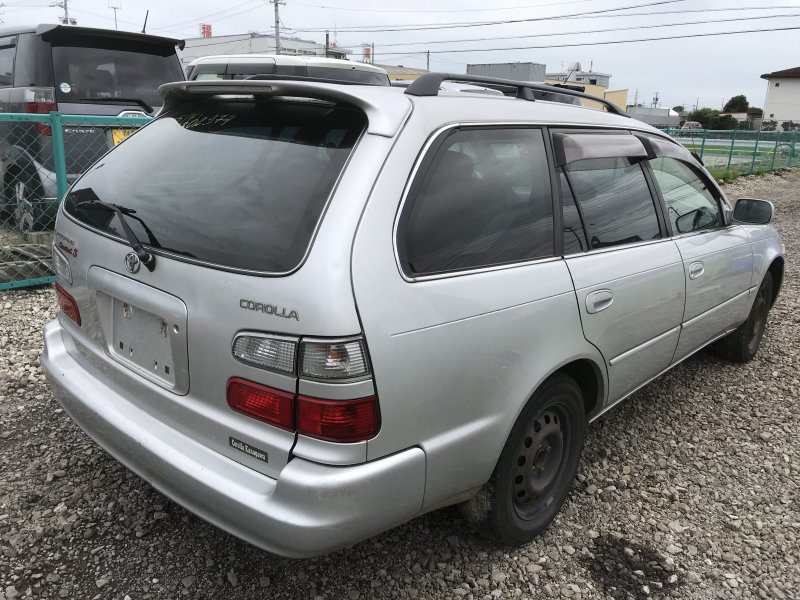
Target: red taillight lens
(41,108)
(338,420)
(260,402)
(67,304)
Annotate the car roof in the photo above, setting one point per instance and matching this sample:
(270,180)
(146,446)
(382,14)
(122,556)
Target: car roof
(387,107)
(53,29)
(283,59)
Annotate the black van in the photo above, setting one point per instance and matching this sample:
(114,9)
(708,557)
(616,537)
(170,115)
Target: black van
(77,71)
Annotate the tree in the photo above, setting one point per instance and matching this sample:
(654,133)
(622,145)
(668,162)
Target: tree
(678,109)
(737,104)
(790,125)
(769,125)
(711,118)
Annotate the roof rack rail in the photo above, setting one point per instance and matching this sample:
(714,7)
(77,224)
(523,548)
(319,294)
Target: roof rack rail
(428,85)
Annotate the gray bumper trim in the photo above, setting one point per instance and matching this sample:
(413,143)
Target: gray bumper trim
(309,510)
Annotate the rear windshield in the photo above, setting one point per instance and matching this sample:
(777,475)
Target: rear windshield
(237,184)
(95,74)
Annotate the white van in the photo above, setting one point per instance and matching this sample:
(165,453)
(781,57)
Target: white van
(243,66)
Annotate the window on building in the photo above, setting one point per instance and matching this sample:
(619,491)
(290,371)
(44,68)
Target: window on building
(777,84)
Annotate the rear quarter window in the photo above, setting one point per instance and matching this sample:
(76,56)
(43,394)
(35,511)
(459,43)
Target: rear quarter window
(234,184)
(484,199)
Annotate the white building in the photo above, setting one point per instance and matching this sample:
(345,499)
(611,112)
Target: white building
(577,75)
(783,96)
(254,43)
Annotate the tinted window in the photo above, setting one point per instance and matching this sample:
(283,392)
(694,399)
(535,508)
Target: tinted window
(484,200)
(354,75)
(615,201)
(7,65)
(235,184)
(690,205)
(103,74)
(574,234)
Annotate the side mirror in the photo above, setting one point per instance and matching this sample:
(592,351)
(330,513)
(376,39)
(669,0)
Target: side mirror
(753,210)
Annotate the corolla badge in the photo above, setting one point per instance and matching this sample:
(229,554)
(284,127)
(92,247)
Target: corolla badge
(132,262)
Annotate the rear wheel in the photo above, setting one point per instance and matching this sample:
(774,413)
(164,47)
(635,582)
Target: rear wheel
(29,209)
(742,344)
(536,467)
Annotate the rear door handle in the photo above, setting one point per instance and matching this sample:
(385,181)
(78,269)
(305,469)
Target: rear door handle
(599,300)
(696,269)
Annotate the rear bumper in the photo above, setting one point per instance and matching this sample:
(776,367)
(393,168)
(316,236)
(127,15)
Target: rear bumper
(310,509)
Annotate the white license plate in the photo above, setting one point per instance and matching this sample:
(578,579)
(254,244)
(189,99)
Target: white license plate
(142,339)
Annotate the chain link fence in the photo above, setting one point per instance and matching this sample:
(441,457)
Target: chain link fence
(40,156)
(730,153)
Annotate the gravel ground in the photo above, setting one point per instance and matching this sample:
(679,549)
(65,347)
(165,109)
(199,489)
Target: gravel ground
(688,490)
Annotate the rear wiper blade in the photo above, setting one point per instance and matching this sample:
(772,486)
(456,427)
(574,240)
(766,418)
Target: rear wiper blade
(138,101)
(148,259)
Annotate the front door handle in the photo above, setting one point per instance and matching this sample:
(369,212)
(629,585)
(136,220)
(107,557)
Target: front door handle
(696,269)
(599,300)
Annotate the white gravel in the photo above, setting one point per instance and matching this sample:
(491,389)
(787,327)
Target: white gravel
(688,490)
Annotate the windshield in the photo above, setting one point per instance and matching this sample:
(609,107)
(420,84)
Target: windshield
(236,184)
(102,74)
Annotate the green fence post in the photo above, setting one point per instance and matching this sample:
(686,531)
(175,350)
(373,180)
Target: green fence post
(703,143)
(59,157)
(755,152)
(730,154)
(775,151)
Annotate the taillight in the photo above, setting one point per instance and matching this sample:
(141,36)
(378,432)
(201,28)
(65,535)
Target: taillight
(338,420)
(261,402)
(40,101)
(68,305)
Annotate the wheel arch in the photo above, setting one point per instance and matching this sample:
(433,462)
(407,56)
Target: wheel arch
(776,270)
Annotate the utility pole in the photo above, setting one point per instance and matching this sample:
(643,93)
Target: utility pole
(65,20)
(277,4)
(372,57)
(327,43)
(427,60)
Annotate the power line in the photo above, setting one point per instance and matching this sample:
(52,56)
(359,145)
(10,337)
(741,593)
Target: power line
(217,15)
(421,26)
(462,10)
(372,28)
(537,35)
(603,43)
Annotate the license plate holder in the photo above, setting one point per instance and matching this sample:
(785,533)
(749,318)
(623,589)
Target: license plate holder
(143,340)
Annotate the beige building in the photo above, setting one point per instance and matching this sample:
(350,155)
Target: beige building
(617,97)
(783,96)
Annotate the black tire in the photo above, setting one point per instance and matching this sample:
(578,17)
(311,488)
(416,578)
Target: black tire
(536,468)
(742,344)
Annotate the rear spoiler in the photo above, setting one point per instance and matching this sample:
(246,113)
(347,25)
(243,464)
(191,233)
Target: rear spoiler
(70,33)
(386,110)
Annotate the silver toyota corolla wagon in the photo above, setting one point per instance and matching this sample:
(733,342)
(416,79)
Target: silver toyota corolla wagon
(309,312)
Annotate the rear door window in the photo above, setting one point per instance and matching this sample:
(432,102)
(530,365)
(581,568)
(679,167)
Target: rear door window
(233,184)
(484,200)
(615,201)
(85,74)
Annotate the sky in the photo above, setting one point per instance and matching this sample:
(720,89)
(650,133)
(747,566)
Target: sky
(706,70)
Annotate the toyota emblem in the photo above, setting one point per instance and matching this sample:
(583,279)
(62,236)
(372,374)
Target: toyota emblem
(132,262)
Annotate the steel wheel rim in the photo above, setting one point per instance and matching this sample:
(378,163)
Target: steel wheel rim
(24,207)
(540,460)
